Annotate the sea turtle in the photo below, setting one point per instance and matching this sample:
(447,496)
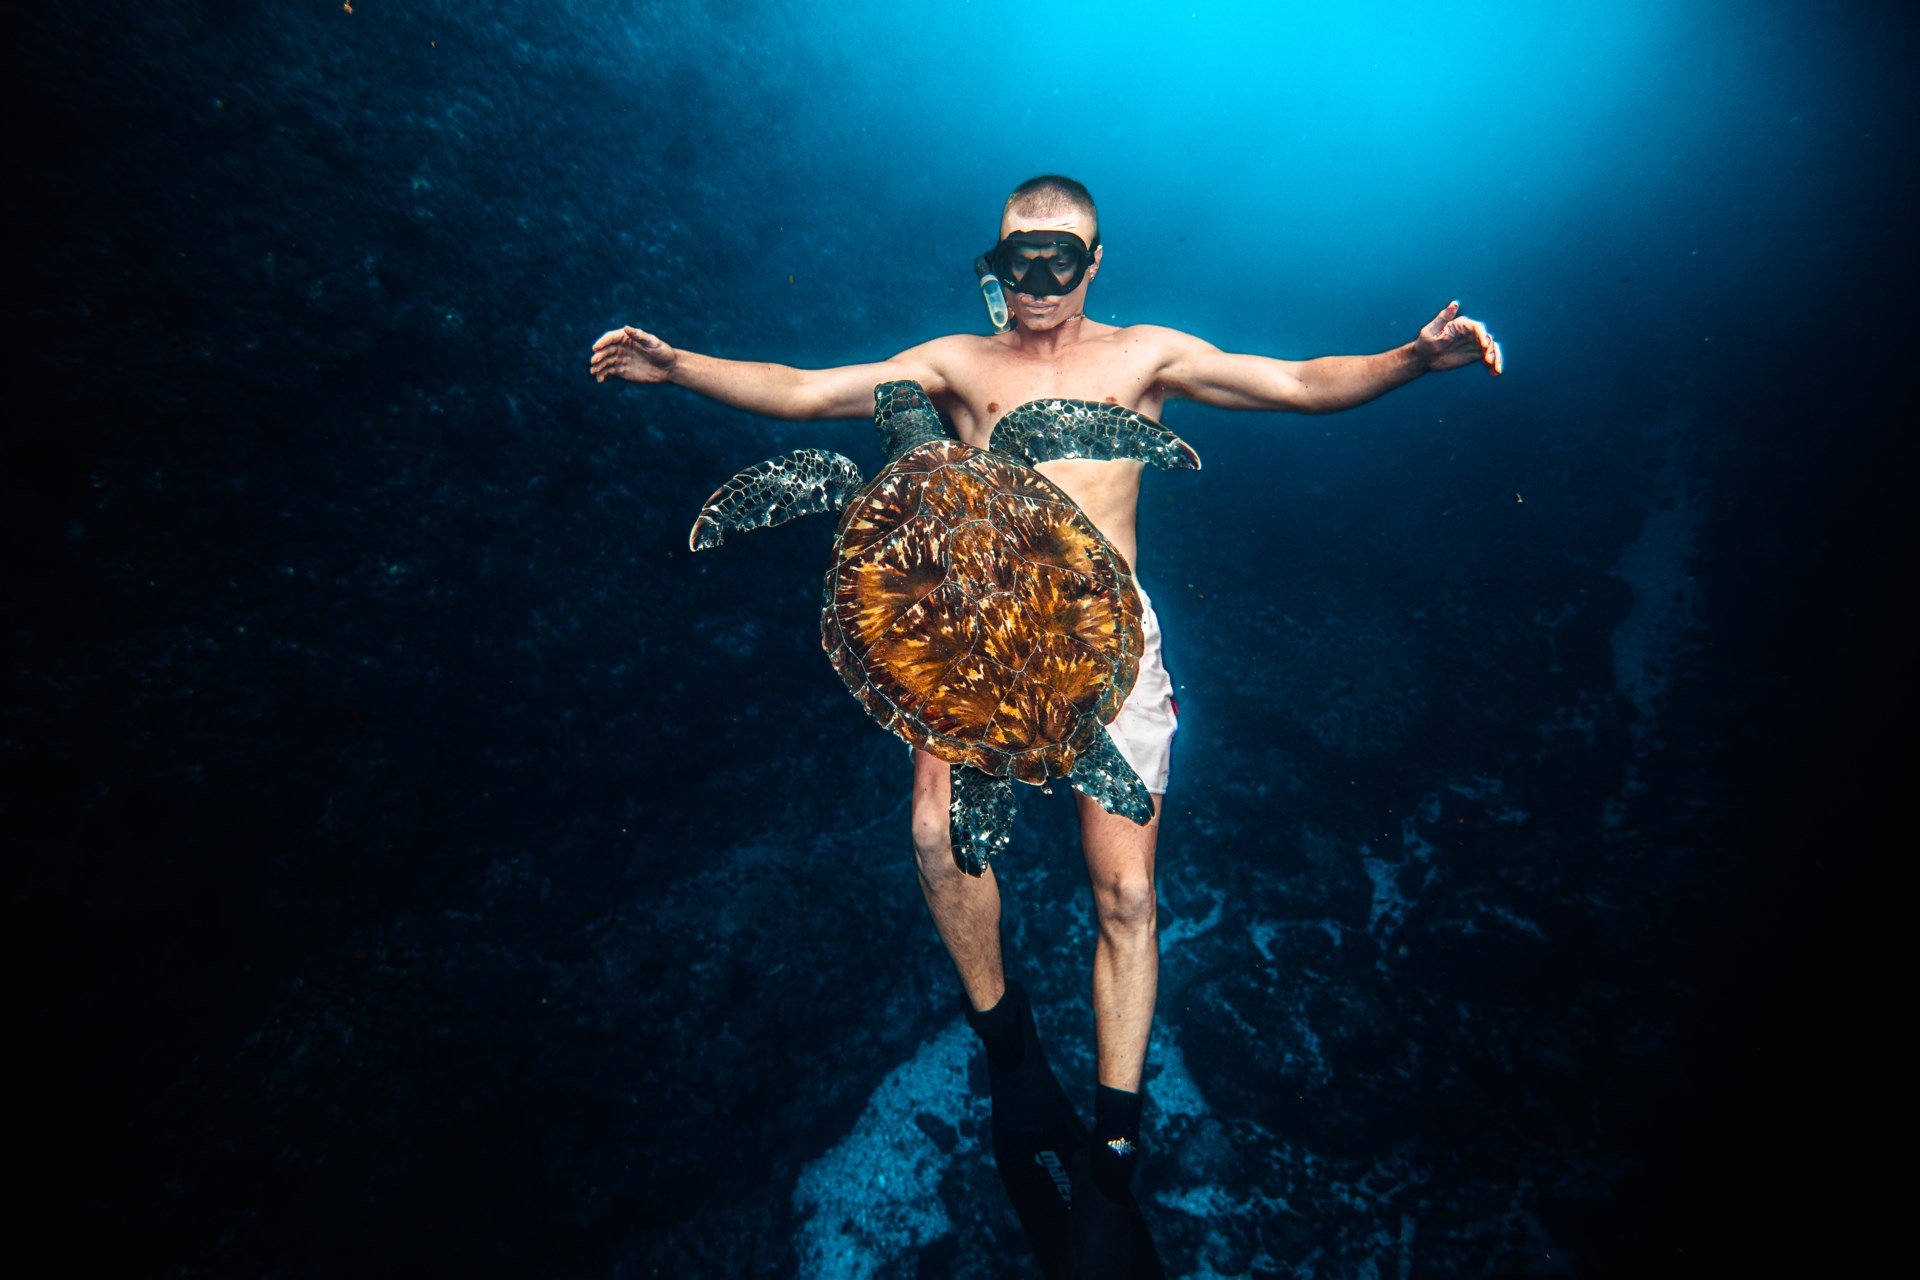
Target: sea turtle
(971,606)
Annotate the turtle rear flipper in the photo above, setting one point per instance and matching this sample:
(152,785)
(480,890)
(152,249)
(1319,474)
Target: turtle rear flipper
(802,483)
(1103,775)
(1047,430)
(980,819)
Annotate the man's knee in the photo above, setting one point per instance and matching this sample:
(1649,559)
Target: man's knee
(932,849)
(1126,903)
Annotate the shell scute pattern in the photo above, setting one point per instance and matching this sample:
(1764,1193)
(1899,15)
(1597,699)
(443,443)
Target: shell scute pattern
(919,650)
(969,699)
(976,612)
(1014,481)
(886,580)
(977,562)
(876,512)
(1005,637)
(1049,535)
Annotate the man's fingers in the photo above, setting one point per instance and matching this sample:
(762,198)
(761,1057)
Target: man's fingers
(623,335)
(1467,328)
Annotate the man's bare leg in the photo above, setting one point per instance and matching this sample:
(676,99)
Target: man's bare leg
(1126,978)
(966,909)
(1033,1128)
(1126,959)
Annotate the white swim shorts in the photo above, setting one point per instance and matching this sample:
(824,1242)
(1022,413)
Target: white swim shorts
(1143,731)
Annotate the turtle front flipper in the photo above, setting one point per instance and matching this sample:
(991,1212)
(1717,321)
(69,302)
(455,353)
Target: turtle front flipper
(802,483)
(980,819)
(1047,430)
(1103,775)
(905,417)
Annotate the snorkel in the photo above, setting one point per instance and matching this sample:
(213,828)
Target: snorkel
(996,297)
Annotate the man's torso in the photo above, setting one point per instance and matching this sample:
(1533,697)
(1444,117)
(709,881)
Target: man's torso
(986,377)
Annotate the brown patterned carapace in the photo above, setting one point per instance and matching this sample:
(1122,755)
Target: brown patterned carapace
(974,610)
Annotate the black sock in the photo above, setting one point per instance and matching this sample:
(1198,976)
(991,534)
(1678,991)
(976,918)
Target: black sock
(1003,1028)
(1116,1141)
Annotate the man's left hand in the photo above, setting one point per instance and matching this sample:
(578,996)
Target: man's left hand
(1451,340)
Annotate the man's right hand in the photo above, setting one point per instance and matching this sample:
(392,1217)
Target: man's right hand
(633,354)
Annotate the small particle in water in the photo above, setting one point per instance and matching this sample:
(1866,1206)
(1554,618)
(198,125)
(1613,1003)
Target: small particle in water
(348,6)
(1518,498)
(789,279)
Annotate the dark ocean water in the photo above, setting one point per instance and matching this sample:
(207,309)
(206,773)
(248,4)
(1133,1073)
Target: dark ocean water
(421,865)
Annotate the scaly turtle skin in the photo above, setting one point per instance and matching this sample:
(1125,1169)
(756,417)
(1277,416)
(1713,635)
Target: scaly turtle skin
(971,607)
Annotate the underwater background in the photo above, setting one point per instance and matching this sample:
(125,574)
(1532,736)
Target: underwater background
(420,864)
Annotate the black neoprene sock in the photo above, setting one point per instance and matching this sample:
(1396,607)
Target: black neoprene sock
(1003,1029)
(1116,1141)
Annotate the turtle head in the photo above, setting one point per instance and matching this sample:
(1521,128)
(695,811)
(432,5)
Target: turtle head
(904,416)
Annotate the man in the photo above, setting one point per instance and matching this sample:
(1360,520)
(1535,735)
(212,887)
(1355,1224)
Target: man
(1048,257)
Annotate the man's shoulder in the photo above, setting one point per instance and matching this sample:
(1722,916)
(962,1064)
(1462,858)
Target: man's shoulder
(955,342)
(1157,334)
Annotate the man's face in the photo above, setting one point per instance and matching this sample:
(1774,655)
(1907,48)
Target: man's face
(1041,314)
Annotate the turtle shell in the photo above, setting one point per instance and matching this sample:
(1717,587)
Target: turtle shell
(975,611)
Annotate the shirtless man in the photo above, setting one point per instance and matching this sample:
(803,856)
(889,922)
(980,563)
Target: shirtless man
(1048,257)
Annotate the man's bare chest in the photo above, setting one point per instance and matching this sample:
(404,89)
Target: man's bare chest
(983,393)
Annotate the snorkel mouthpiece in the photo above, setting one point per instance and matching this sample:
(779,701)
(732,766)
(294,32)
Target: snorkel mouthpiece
(996,297)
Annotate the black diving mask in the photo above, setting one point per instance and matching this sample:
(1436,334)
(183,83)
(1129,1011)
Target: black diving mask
(1041,264)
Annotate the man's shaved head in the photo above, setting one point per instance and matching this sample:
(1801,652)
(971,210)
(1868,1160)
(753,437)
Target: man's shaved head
(1051,196)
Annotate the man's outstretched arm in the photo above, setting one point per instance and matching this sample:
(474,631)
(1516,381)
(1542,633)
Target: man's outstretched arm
(773,390)
(1200,371)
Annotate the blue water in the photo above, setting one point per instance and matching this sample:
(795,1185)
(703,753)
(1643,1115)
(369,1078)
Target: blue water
(433,868)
